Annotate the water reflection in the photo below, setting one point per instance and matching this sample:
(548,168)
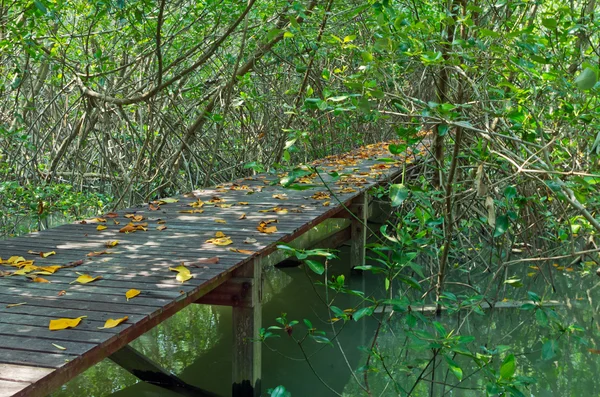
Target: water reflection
(196,344)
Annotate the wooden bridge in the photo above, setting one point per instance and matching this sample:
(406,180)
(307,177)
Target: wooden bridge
(221,236)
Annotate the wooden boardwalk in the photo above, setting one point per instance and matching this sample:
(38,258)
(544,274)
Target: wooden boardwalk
(35,360)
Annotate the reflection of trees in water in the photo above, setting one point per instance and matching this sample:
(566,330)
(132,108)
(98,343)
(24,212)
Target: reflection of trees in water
(196,343)
(572,372)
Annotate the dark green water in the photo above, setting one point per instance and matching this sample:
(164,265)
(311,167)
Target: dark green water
(196,344)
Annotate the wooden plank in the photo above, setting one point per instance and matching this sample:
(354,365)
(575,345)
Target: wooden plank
(22,373)
(32,344)
(40,359)
(149,297)
(75,335)
(9,388)
(41,315)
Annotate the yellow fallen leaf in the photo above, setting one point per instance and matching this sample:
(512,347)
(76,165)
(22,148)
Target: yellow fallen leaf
(42,254)
(132,293)
(46,270)
(242,203)
(13,260)
(37,279)
(196,211)
(15,305)
(264,228)
(59,347)
(242,251)
(85,278)
(183,273)
(326,203)
(24,264)
(243,216)
(110,244)
(197,204)
(220,221)
(24,270)
(220,241)
(161,227)
(167,201)
(220,234)
(64,323)
(101,227)
(110,323)
(280,196)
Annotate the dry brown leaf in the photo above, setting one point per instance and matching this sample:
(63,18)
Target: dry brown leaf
(129,228)
(98,253)
(281,196)
(111,215)
(243,216)
(161,227)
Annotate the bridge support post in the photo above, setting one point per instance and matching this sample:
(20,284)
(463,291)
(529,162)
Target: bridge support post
(359,208)
(247,321)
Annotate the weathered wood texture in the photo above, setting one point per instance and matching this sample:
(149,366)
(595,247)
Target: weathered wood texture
(30,365)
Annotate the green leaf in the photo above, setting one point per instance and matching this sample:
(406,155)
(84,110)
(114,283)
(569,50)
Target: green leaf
(541,318)
(514,282)
(365,311)
(534,297)
(586,79)
(501,225)
(508,368)
(397,149)
(454,368)
(280,391)
(315,266)
(510,192)
(273,33)
(528,306)
(550,23)
(442,129)
(40,6)
(398,193)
